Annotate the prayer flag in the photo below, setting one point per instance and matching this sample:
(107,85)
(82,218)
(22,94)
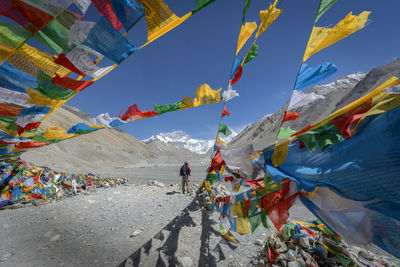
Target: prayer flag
(245,32)
(324,5)
(225,112)
(267,17)
(222,128)
(289,116)
(321,37)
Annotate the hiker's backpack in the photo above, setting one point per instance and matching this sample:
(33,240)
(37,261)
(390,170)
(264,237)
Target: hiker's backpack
(182,171)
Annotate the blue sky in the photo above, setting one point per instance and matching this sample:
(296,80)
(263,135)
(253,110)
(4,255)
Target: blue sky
(201,51)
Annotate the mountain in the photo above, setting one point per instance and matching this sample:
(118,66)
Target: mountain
(104,149)
(181,139)
(332,97)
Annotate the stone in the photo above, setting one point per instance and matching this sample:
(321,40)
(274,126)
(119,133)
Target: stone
(55,238)
(261,263)
(259,242)
(364,254)
(185,262)
(159,184)
(135,233)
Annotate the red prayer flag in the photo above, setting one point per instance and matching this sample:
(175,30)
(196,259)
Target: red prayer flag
(71,84)
(279,213)
(105,9)
(23,145)
(65,62)
(10,109)
(133,113)
(238,74)
(216,163)
(30,17)
(343,122)
(28,127)
(225,112)
(289,116)
(272,254)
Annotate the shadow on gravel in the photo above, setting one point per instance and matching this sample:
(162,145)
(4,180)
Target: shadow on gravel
(172,193)
(169,245)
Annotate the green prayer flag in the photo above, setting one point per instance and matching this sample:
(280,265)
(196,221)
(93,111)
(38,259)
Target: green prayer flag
(201,4)
(13,35)
(254,206)
(246,7)
(285,132)
(212,178)
(324,136)
(252,54)
(324,5)
(164,108)
(222,128)
(40,138)
(264,218)
(255,222)
(53,91)
(54,36)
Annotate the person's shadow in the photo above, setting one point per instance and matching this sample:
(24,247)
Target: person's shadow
(166,252)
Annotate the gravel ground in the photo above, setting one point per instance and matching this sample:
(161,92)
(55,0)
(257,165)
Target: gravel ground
(129,225)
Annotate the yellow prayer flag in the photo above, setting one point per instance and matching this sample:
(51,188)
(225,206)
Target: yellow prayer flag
(206,95)
(31,60)
(219,140)
(36,98)
(187,102)
(267,17)
(159,18)
(321,37)
(245,32)
(56,132)
(236,210)
(280,154)
(5,52)
(242,225)
(380,104)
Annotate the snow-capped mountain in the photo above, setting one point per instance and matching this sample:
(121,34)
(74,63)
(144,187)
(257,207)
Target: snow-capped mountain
(182,139)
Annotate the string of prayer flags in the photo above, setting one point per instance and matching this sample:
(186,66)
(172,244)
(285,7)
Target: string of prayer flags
(245,33)
(267,17)
(310,75)
(321,37)
(324,5)
(222,128)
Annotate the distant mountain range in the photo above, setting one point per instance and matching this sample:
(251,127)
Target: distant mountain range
(111,148)
(182,139)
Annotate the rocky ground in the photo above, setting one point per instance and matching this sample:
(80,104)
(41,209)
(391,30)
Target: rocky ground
(129,225)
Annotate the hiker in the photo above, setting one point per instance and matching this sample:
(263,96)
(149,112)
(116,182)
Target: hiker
(185,173)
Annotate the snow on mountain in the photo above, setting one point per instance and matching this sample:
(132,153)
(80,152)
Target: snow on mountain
(181,138)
